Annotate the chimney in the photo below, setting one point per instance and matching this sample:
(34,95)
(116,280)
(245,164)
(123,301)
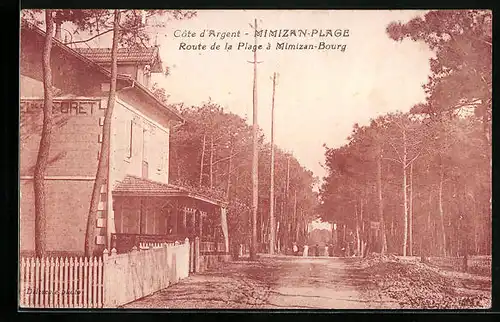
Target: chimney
(58,30)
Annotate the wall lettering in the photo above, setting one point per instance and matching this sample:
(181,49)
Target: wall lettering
(66,106)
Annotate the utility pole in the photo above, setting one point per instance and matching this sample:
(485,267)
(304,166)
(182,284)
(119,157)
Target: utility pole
(255,158)
(271,197)
(286,219)
(295,221)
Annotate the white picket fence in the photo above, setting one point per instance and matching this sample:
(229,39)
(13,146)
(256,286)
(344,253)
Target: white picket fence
(61,282)
(136,274)
(108,281)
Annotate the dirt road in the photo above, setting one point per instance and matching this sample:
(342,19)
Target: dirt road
(271,283)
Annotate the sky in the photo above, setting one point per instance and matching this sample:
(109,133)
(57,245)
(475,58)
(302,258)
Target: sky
(318,224)
(320,94)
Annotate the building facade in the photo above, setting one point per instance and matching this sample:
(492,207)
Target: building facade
(137,202)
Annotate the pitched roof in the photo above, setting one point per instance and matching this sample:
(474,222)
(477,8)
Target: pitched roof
(135,186)
(26,26)
(125,55)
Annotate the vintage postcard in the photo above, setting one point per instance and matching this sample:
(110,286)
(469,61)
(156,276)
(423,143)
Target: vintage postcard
(255,159)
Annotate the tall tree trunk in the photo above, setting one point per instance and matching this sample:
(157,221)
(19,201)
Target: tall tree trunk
(45,140)
(475,216)
(211,161)
(441,211)
(278,234)
(434,240)
(229,166)
(271,192)
(363,236)
(410,212)
(297,224)
(255,156)
(465,229)
(427,234)
(344,235)
(358,241)
(261,230)
(487,140)
(202,161)
(103,165)
(283,225)
(383,249)
(421,247)
(405,196)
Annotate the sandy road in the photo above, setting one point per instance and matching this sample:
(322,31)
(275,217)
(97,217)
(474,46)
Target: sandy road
(281,282)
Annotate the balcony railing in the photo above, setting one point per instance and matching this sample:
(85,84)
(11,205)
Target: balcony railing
(123,242)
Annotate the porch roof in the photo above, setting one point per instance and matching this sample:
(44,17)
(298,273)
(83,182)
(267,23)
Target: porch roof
(140,187)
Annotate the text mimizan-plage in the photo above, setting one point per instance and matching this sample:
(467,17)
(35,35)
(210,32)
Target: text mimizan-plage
(268,33)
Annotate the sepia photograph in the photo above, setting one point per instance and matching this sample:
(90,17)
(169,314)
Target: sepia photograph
(255,159)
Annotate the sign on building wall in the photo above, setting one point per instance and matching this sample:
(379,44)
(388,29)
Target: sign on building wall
(76,134)
(71,106)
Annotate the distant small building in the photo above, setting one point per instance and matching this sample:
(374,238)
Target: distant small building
(319,224)
(137,204)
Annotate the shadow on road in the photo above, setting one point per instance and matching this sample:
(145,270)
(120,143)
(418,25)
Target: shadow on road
(270,282)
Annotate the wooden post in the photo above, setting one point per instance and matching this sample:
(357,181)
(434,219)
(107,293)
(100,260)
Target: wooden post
(191,256)
(272,234)
(184,220)
(255,157)
(192,220)
(286,218)
(200,222)
(295,215)
(197,254)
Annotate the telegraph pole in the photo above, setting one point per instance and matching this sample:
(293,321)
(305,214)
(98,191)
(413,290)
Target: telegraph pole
(271,197)
(286,219)
(295,221)
(255,158)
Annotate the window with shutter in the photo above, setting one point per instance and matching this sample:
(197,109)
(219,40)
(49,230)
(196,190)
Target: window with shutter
(145,154)
(130,131)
